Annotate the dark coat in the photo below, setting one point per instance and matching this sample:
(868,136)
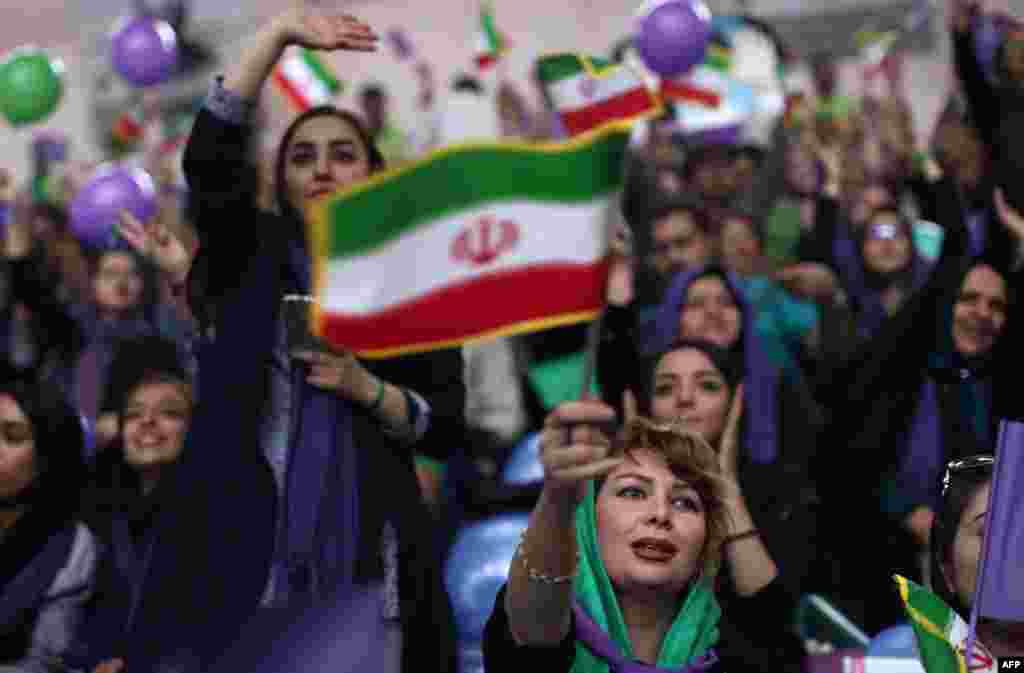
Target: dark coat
(216,529)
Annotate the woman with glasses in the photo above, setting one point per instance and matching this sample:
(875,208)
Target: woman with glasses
(922,391)
(957,539)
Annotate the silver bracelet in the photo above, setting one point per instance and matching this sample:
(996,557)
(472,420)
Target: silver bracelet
(537,576)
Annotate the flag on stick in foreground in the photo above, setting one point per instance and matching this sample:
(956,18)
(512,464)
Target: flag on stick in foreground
(471,242)
(589,92)
(940,632)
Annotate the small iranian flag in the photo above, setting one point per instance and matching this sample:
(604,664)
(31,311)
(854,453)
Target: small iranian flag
(705,86)
(305,79)
(940,632)
(490,43)
(590,92)
(499,239)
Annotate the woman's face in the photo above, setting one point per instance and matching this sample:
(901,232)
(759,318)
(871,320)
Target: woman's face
(961,568)
(156,420)
(325,154)
(118,282)
(740,248)
(688,386)
(979,314)
(651,526)
(17,448)
(710,313)
(887,248)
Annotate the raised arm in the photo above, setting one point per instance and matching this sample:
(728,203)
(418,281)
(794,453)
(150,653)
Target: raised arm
(981,97)
(539,595)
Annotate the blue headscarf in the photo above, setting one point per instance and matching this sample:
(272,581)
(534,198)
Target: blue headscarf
(761,377)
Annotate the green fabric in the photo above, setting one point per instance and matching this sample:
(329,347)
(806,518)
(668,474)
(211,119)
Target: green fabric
(836,107)
(782,233)
(692,634)
(558,380)
(435,466)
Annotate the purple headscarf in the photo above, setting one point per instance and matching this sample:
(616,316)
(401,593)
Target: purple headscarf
(850,263)
(760,376)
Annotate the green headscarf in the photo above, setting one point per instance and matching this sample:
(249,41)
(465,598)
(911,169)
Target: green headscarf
(693,633)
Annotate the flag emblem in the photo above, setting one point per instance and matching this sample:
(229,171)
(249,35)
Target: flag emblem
(485,241)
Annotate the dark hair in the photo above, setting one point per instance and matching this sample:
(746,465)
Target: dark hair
(149,296)
(963,487)
(147,359)
(464,83)
(686,202)
(59,446)
(373,153)
(748,215)
(372,91)
(728,364)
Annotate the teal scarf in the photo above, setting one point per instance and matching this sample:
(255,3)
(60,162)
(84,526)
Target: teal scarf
(693,633)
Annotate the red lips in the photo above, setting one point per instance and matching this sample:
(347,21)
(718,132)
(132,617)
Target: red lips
(654,549)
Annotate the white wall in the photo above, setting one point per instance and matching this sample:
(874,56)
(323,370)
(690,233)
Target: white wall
(441,29)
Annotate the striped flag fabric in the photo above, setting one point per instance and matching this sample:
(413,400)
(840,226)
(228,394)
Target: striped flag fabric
(589,92)
(705,86)
(499,239)
(1000,593)
(305,79)
(490,43)
(723,122)
(941,633)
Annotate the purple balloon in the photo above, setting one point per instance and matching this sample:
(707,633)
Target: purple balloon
(672,35)
(95,210)
(144,50)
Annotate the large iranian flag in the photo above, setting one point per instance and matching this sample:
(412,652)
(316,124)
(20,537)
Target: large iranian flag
(471,242)
(588,92)
(941,633)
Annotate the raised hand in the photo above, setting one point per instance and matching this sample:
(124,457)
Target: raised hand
(575,446)
(340,373)
(308,28)
(811,280)
(1010,218)
(154,241)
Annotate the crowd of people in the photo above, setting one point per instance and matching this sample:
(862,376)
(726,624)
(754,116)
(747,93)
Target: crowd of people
(805,354)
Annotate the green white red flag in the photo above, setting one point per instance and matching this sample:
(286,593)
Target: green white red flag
(473,241)
(590,92)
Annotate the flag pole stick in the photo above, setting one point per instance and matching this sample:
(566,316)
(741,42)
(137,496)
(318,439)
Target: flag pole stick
(987,548)
(590,355)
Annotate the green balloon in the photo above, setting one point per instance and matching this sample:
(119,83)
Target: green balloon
(31,85)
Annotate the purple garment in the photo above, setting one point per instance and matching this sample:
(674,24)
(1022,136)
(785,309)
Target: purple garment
(761,377)
(321,532)
(598,642)
(920,469)
(850,264)
(977,223)
(1000,591)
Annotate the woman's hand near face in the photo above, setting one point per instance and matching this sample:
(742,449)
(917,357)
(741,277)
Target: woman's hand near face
(729,444)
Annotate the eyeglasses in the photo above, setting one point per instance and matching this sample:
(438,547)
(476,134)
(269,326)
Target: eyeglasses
(962,465)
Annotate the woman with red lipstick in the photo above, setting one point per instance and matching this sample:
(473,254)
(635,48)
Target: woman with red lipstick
(615,571)
(297,483)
